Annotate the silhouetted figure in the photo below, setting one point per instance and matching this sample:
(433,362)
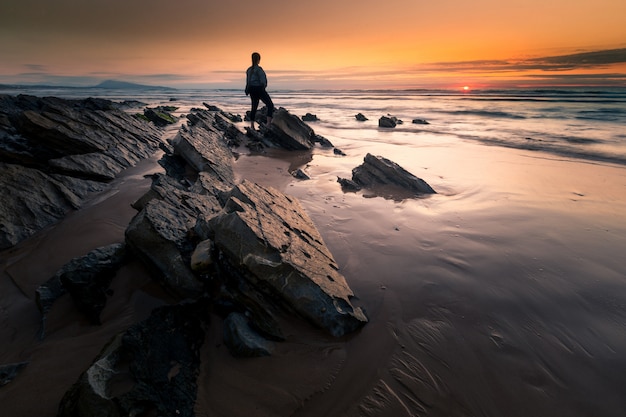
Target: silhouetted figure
(256,83)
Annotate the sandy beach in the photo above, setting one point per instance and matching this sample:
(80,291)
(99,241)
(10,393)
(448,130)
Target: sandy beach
(503,294)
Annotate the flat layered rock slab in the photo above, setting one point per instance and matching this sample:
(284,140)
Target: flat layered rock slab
(273,239)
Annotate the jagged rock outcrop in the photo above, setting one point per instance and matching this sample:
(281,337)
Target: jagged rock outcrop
(152,367)
(378,171)
(249,252)
(281,253)
(55,152)
(286,131)
(202,146)
(289,132)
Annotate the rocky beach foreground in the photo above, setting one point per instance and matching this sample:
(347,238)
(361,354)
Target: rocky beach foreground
(236,249)
(179,264)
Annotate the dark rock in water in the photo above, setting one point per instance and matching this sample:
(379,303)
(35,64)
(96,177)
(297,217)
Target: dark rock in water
(54,153)
(151,369)
(310,118)
(377,170)
(339,152)
(9,372)
(420,122)
(280,252)
(388,121)
(243,341)
(361,118)
(87,279)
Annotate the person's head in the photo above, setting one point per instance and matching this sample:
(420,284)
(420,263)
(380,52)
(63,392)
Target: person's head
(256,58)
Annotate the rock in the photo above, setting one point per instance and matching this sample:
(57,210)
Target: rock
(289,132)
(203,147)
(310,118)
(159,235)
(361,118)
(54,153)
(275,245)
(34,199)
(151,368)
(377,170)
(160,116)
(347,185)
(242,341)
(420,122)
(325,143)
(9,372)
(300,174)
(202,258)
(388,122)
(87,279)
(94,166)
(211,107)
(339,152)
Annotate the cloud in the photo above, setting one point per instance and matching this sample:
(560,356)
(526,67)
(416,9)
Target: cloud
(583,60)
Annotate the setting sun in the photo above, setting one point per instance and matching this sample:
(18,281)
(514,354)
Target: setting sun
(466,88)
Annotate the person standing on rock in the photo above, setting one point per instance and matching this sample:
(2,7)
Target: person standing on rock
(256,83)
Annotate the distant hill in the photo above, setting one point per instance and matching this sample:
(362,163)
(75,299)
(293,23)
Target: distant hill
(123,85)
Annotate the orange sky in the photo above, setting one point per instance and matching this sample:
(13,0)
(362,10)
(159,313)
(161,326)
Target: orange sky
(321,44)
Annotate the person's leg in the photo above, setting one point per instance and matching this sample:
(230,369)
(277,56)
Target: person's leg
(269,104)
(255,105)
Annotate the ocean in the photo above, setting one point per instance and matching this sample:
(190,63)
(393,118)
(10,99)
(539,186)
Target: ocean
(583,123)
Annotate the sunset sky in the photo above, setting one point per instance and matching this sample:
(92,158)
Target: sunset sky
(316,44)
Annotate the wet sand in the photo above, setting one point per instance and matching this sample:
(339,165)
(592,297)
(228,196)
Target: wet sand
(504,294)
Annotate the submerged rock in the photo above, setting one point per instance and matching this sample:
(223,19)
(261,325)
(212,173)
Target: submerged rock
(361,118)
(310,118)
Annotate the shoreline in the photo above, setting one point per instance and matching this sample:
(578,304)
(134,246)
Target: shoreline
(481,296)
